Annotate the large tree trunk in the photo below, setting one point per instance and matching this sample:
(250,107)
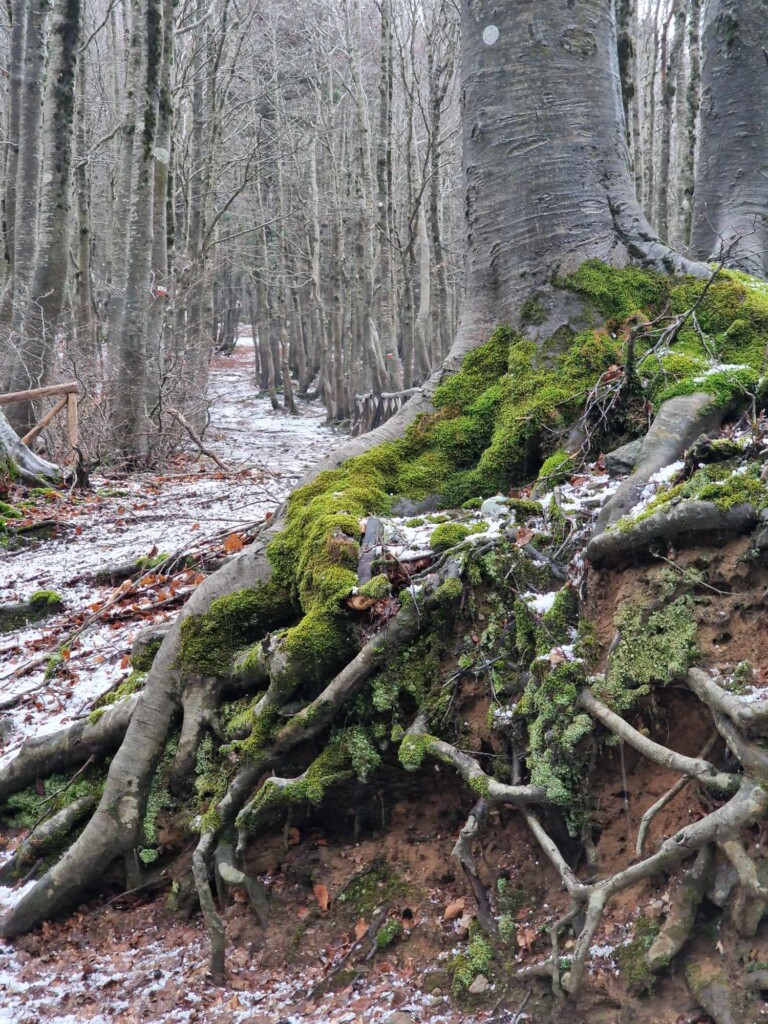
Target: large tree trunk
(548,186)
(730,218)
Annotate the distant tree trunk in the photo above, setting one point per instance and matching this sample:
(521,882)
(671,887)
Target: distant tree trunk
(692,102)
(671,58)
(24,233)
(18,12)
(49,276)
(731,203)
(130,414)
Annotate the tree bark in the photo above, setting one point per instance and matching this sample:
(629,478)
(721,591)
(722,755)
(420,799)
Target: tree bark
(730,215)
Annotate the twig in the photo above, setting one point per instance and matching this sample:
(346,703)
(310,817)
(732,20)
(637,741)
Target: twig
(176,415)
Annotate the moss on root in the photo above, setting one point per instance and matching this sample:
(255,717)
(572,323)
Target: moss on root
(210,641)
(502,421)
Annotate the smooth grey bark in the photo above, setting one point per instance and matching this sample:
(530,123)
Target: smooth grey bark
(28,168)
(552,131)
(731,202)
(49,277)
(18,10)
(130,414)
(692,102)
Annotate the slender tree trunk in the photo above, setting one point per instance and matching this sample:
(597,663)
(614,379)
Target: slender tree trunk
(692,102)
(130,414)
(28,171)
(670,64)
(49,277)
(731,204)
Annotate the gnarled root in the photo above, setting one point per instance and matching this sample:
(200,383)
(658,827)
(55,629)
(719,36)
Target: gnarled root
(30,468)
(682,913)
(59,750)
(43,837)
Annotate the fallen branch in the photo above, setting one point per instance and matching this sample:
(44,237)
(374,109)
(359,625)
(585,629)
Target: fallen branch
(176,415)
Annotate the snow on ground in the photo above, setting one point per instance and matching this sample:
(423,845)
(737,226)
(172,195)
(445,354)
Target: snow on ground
(138,516)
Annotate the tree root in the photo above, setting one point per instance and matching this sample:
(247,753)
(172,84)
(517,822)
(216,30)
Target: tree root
(749,905)
(750,718)
(46,835)
(233,809)
(30,468)
(711,987)
(667,798)
(682,913)
(462,851)
(691,522)
(678,423)
(47,754)
(694,767)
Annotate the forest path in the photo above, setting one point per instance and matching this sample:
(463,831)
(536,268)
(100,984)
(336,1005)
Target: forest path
(135,960)
(190,506)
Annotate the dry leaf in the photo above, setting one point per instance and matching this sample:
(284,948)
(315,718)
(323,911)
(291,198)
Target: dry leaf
(524,536)
(321,895)
(360,929)
(233,543)
(454,909)
(556,657)
(294,837)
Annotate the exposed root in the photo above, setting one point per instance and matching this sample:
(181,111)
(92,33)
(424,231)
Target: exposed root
(691,522)
(462,851)
(665,799)
(30,468)
(694,767)
(750,718)
(46,835)
(749,905)
(682,913)
(678,423)
(59,750)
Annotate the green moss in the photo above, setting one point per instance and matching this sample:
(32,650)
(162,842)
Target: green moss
(389,932)
(558,468)
(533,311)
(448,536)
(413,750)
(9,512)
(377,588)
(142,659)
(209,641)
(46,598)
(524,509)
(379,884)
(558,623)
(449,591)
(30,806)
(476,959)
(472,503)
(130,685)
(631,957)
(653,650)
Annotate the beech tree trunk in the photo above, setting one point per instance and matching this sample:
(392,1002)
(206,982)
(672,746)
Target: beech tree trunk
(730,215)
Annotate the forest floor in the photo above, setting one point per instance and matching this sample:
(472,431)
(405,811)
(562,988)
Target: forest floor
(134,957)
(131,958)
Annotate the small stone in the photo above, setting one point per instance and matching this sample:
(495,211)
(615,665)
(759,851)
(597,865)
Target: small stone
(624,459)
(399,1017)
(496,506)
(479,986)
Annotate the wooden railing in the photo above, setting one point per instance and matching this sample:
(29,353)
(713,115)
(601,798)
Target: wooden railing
(372,410)
(68,401)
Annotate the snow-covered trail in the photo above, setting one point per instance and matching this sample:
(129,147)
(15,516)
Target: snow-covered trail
(138,516)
